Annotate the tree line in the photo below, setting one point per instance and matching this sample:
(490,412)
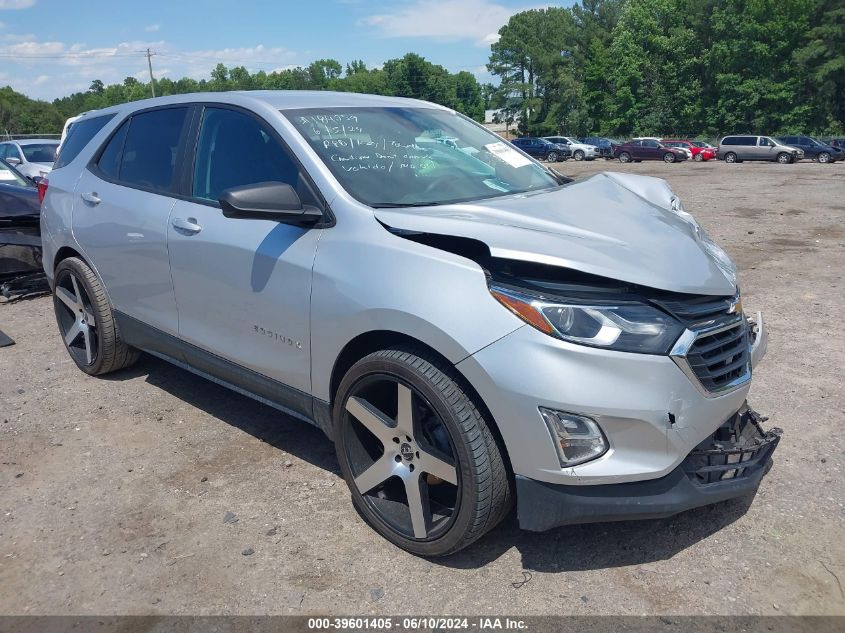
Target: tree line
(674,67)
(609,67)
(409,76)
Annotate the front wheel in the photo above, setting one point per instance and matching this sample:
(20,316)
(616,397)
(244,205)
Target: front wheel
(417,454)
(783,158)
(698,158)
(669,157)
(579,155)
(86,321)
(552,157)
(624,157)
(730,157)
(824,157)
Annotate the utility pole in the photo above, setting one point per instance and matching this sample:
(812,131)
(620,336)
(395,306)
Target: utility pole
(150,66)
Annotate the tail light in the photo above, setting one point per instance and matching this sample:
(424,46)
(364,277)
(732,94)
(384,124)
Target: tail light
(42,190)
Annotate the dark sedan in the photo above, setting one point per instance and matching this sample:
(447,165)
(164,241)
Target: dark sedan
(813,149)
(648,149)
(542,149)
(20,233)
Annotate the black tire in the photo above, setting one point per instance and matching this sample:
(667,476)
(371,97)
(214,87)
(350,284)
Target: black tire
(669,157)
(730,157)
(482,490)
(97,349)
(824,157)
(579,155)
(624,157)
(698,158)
(552,157)
(783,158)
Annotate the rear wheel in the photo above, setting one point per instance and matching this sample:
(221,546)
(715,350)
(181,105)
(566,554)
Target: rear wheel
(730,157)
(86,321)
(624,157)
(417,454)
(824,157)
(783,158)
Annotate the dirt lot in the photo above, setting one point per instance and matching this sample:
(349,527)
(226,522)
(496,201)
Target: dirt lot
(115,493)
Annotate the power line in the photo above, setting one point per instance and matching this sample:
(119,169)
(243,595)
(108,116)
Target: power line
(91,55)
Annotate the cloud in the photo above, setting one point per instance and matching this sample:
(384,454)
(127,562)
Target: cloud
(72,67)
(476,20)
(16,4)
(152,28)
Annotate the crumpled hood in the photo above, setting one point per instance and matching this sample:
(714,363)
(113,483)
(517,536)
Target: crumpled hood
(619,226)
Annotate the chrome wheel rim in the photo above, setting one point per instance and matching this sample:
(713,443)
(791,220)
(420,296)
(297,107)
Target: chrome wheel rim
(624,157)
(552,157)
(76,318)
(669,158)
(730,158)
(401,457)
(783,159)
(823,158)
(579,155)
(699,157)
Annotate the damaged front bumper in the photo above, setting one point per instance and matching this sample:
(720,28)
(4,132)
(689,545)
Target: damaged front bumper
(21,271)
(728,464)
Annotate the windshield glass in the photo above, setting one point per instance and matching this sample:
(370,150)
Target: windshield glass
(40,152)
(397,157)
(9,177)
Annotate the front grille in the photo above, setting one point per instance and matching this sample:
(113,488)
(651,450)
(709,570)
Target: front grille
(720,357)
(697,308)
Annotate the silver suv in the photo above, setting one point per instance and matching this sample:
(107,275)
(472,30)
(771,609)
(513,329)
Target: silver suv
(735,149)
(470,328)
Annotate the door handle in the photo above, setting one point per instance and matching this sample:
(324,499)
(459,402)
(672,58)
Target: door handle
(188,226)
(91,198)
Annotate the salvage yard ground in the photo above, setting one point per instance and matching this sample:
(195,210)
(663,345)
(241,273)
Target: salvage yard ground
(154,491)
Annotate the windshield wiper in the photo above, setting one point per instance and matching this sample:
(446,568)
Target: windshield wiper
(399,205)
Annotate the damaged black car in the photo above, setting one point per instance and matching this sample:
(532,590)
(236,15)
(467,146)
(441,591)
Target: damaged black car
(21,272)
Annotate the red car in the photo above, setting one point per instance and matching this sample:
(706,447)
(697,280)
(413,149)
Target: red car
(700,151)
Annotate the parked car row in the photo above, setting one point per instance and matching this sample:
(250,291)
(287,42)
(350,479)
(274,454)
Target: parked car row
(731,149)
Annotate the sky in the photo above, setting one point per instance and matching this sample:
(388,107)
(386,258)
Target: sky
(51,48)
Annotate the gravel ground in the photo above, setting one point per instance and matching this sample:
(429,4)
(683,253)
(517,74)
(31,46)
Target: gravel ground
(156,492)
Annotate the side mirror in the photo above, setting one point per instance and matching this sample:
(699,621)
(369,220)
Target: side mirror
(275,201)
(13,161)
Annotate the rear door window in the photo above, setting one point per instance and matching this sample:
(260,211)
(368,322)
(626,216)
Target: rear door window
(79,134)
(149,152)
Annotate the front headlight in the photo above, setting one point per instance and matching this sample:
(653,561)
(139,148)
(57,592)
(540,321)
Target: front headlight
(623,326)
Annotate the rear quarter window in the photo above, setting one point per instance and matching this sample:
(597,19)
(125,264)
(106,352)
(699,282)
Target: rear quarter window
(79,135)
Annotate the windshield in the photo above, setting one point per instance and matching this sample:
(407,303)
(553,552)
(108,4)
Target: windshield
(9,177)
(40,152)
(398,157)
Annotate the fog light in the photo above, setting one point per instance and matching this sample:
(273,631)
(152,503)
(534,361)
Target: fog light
(577,438)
